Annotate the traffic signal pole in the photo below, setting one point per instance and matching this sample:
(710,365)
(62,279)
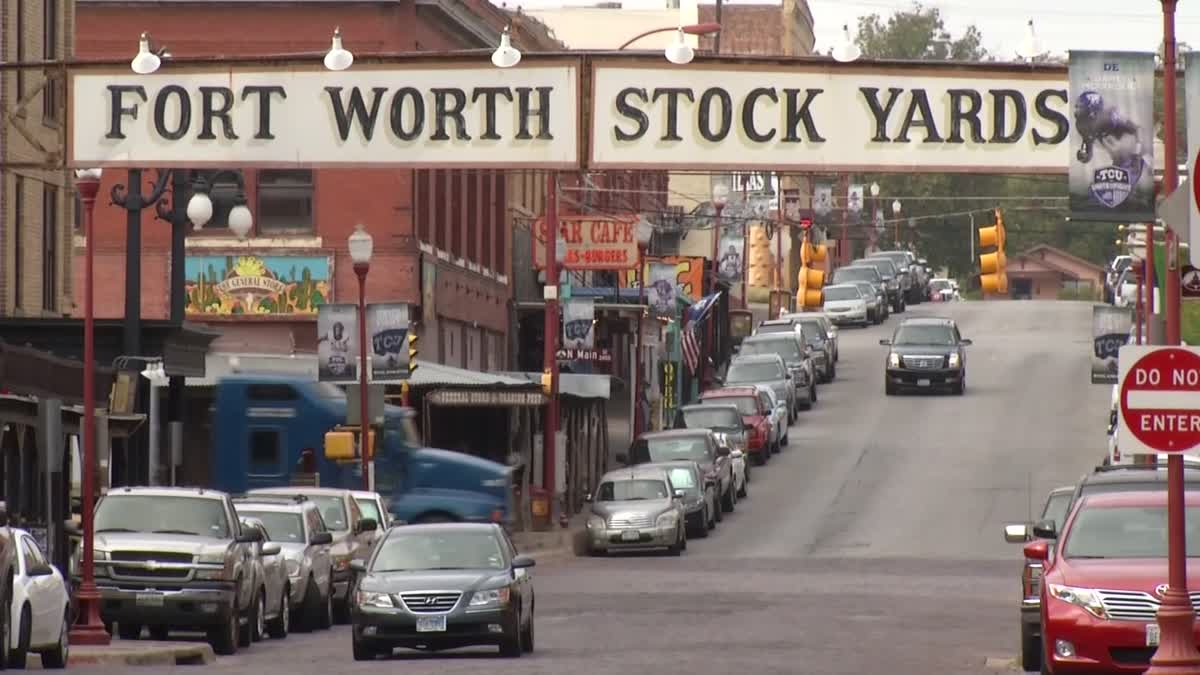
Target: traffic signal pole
(1176,653)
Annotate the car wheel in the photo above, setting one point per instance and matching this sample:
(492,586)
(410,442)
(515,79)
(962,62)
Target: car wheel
(1031,649)
(744,491)
(246,630)
(58,656)
(786,440)
(510,645)
(889,389)
(129,631)
(327,609)
(812,393)
(224,638)
(728,501)
(676,549)
(705,524)
(960,387)
(527,633)
(6,625)
(833,371)
(20,654)
(341,606)
(279,626)
(718,512)
(260,617)
(362,651)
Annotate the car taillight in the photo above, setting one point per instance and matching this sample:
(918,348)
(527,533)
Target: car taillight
(1031,580)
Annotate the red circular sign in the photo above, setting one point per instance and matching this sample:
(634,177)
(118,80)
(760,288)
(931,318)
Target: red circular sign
(1160,399)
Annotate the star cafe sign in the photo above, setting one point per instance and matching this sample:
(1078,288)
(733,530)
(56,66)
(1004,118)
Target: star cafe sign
(638,113)
(593,242)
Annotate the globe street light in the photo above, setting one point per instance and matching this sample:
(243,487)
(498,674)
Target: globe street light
(361,245)
(680,52)
(338,57)
(146,61)
(645,232)
(200,206)
(846,51)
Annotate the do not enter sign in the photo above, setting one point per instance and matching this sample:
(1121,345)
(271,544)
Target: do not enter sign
(1159,399)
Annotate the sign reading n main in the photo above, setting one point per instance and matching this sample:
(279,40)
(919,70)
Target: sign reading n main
(644,114)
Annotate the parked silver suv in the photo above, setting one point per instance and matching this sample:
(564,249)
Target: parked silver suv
(177,558)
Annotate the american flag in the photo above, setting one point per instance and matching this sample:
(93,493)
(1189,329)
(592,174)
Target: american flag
(690,345)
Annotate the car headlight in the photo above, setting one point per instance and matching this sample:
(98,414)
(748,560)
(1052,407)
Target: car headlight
(372,599)
(954,359)
(293,567)
(595,523)
(1080,597)
(497,597)
(211,558)
(894,360)
(668,519)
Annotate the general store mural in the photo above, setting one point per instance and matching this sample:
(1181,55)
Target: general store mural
(233,285)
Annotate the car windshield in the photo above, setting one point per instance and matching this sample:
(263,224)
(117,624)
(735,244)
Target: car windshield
(866,287)
(855,274)
(775,328)
(764,371)
(885,267)
(939,284)
(682,478)
(281,527)
(370,509)
(333,510)
(785,347)
(918,334)
(416,551)
(200,516)
(1127,532)
(712,418)
(842,293)
(1056,508)
(670,449)
(746,405)
(636,489)
(814,329)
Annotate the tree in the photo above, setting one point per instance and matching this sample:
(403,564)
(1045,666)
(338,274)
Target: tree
(919,33)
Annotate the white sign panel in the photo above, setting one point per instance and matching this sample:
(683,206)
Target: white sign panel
(422,116)
(926,120)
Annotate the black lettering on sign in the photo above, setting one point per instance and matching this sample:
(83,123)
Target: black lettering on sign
(919,115)
(489,95)
(1062,126)
(117,110)
(263,132)
(748,127)
(396,116)
(633,113)
(208,96)
(673,94)
(725,111)
(1000,131)
(798,113)
(880,112)
(970,115)
(345,114)
(160,112)
(448,104)
(526,111)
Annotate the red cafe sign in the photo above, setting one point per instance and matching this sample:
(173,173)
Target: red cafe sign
(593,242)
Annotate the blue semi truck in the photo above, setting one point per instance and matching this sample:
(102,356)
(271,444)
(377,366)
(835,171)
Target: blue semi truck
(267,429)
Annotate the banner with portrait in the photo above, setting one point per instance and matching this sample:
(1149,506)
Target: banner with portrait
(661,289)
(1110,330)
(579,324)
(822,202)
(387,328)
(337,343)
(854,201)
(1111,163)
(731,255)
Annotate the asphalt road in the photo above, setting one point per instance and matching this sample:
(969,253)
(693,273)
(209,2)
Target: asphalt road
(871,545)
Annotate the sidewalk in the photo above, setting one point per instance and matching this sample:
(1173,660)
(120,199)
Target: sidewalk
(139,653)
(556,543)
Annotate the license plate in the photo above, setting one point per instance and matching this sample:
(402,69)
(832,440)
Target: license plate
(923,383)
(431,624)
(631,535)
(149,600)
(1152,635)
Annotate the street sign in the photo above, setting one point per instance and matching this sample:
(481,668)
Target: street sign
(1159,399)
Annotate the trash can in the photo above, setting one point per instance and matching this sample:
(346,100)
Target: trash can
(539,507)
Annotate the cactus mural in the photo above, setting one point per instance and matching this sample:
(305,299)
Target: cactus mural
(229,285)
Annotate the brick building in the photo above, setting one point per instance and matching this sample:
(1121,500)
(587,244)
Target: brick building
(442,237)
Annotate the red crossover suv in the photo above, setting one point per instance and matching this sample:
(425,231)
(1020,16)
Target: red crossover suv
(756,416)
(1102,589)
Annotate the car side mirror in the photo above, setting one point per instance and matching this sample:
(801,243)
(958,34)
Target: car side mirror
(680,494)
(1037,550)
(271,548)
(40,570)
(359,566)
(321,538)
(588,498)
(249,535)
(621,458)
(522,561)
(1045,529)
(1017,533)
(885,342)
(367,525)
(965,342)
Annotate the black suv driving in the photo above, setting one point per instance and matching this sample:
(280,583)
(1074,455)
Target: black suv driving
(926,353)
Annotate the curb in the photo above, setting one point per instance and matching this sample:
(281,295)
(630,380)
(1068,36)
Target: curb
(145,654)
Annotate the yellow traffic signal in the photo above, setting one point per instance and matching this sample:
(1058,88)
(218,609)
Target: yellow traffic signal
(993,276)
(547,383)
(412,351)
(989,236)
(808,287)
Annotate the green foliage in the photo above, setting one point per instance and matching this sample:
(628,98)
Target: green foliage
(917,33)
(1078,294)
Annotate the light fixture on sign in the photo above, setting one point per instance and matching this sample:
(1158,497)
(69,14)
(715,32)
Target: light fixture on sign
(874,189)
(680,52)
(146,61)
(338,57)
(846,51)
(155,373)
(1032,47)
(505,56)
(896,207)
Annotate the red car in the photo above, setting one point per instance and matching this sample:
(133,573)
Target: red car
(756,415)
(1102,589)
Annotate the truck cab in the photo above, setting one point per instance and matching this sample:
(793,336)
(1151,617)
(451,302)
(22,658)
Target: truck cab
(270,431)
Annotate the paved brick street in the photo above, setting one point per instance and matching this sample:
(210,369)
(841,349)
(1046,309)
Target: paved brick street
(872,544)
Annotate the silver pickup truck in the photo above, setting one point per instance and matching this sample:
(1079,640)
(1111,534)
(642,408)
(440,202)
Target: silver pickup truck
(178,558)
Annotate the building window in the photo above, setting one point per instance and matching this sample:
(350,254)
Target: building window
(222,193)
(50,97)
(49,248)
(20,48)
(18,248)
(285,201)
(77,214)
(264,452)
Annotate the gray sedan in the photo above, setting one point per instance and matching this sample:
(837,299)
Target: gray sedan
(636,509)
(766,369)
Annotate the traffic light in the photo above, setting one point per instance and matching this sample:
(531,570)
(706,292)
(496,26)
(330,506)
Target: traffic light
(547,383)
(810,279)
(412,352)
(993,275)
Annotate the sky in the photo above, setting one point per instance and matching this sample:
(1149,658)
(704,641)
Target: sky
(1061,25)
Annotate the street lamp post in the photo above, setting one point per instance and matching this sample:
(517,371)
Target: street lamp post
(644,232)
(720,197)
(555,254)
(361,245)
(89,629)
(896,206)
